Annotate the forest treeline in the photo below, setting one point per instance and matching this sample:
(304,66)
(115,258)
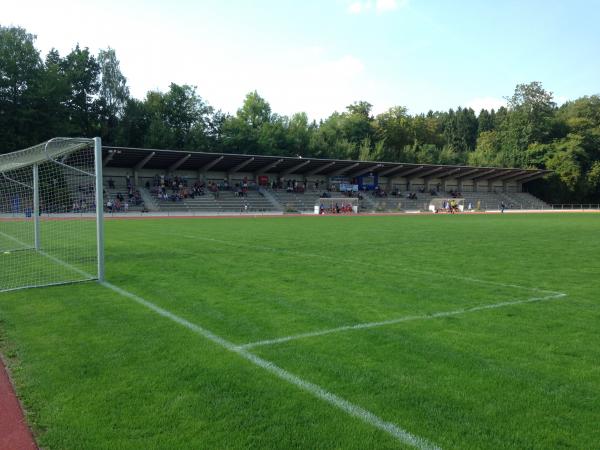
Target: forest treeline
(82,94)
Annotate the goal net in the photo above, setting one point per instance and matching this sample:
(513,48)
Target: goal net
(341,205)
(51,214)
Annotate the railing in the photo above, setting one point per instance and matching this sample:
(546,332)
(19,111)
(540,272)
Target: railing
(575,206)
(195,213)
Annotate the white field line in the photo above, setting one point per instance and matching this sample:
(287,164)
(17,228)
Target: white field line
(306,386)
(362,326)
(551,295)
(357,264)
(52,258)
(311,388)
(23,245)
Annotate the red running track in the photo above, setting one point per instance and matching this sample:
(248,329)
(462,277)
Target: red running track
(14,432)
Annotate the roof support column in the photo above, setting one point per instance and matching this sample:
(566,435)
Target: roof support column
(205,168)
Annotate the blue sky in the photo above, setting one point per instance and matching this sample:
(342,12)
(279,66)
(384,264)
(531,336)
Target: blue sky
(319,56)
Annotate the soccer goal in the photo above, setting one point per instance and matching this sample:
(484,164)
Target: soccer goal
(341,205)
(450,205)
(51,214)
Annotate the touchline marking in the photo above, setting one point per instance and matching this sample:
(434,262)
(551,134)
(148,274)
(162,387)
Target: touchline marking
(362,326)
(311,388)
(358,263)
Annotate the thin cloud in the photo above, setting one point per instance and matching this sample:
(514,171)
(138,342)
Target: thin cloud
(379,6)
(355,8)
(382,6)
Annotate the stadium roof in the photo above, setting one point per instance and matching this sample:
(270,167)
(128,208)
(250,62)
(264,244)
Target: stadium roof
(161,160)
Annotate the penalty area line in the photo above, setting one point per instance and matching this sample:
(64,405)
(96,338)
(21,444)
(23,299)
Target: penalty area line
(367,325)
(313,389)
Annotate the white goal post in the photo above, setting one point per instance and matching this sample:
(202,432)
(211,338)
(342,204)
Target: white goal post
(51,214)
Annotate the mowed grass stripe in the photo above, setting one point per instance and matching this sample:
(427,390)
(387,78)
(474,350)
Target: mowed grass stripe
(487,247)
(501,379)
(510,377)
(311,388)
(362,326)
(269,295)
(354,264)
(96,370)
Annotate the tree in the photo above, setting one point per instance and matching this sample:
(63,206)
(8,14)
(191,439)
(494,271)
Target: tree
(177,119)
(82,95)
(532,109)
(565,159)
(593,177)
(486,121)
(298,135)
(113,84)
(394,128)
(114,92)
(182,110)
(460,129)
(133,126)
(255,111)
(20,69)
(334,138)
(357,123)
(82,75)
(365,151)
(48,99)
(242,132)
(488,151)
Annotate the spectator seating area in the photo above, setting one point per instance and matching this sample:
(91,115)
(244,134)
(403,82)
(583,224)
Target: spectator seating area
(419,201)
(403,201)
(220,202)
(524,200)
(222,199)
(180,195)
(296,202)
(118,197)
(513,200)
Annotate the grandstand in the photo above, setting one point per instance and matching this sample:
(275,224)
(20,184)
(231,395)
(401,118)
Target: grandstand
(276,185)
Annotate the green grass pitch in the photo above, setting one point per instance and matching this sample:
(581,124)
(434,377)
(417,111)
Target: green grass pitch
(462,331)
